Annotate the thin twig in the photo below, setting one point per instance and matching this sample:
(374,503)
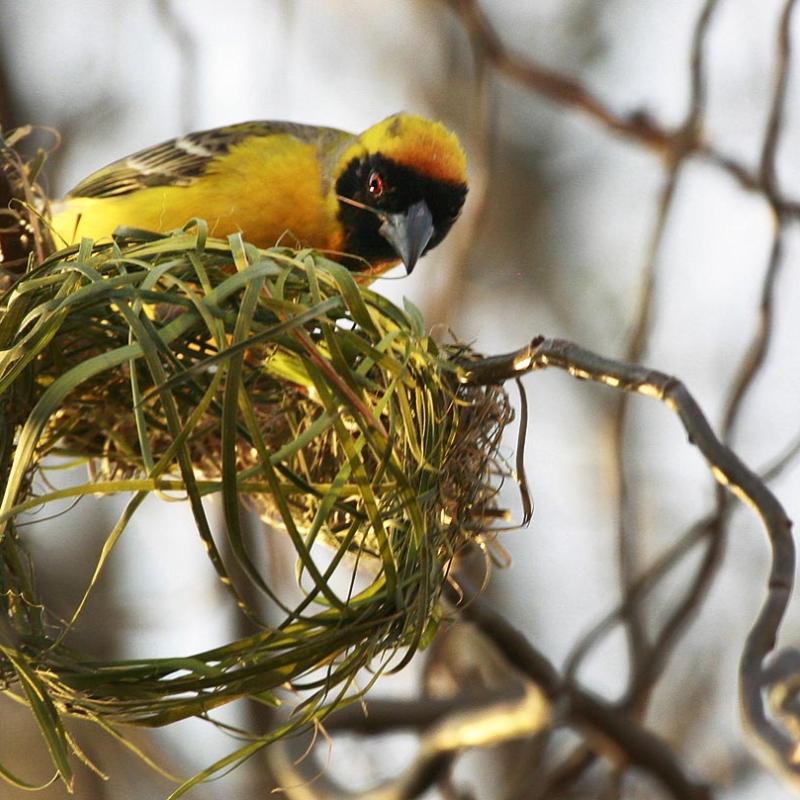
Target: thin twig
(637,126)
(649,579)
(644,584)
(627,550)
(759,346)
(639,646)
(556,87)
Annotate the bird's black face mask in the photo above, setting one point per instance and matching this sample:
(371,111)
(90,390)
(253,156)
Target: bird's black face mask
(390,211)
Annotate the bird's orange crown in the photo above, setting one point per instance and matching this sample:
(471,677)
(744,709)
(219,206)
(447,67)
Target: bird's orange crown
(427,147)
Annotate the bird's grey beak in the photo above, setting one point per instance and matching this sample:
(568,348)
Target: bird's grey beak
(409,232)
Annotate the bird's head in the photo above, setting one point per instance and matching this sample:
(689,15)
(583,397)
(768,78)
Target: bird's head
(400,188)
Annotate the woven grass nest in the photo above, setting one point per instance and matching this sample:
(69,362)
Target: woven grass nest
(184,364)
(191,366)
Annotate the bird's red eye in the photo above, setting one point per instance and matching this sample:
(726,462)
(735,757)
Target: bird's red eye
(375,184)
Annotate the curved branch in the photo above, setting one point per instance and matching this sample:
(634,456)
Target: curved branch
(776,745)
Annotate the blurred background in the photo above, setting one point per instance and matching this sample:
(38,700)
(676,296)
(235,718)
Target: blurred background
(587,219)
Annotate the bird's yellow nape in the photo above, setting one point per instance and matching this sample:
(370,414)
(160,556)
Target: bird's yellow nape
(426,146)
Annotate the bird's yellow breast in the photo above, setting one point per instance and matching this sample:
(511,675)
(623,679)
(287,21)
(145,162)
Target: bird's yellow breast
(268,187)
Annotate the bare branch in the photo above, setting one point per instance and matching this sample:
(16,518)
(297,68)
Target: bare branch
(777,110)
(554,86)
(642,654)
(383,716)
(638,638)
(638,126)
(616,732)
(777,747)
(447,727)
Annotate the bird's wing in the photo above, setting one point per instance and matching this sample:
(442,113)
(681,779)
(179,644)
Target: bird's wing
(180,161)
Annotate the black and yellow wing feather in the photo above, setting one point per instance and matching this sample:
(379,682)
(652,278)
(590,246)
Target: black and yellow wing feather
(179,161)
(269,179)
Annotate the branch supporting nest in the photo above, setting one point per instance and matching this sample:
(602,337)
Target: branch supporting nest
(775,745)
(610,728)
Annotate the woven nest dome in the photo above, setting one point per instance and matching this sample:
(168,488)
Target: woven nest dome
(204,367)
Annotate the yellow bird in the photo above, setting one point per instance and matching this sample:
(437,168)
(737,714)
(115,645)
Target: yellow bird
(371,200)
